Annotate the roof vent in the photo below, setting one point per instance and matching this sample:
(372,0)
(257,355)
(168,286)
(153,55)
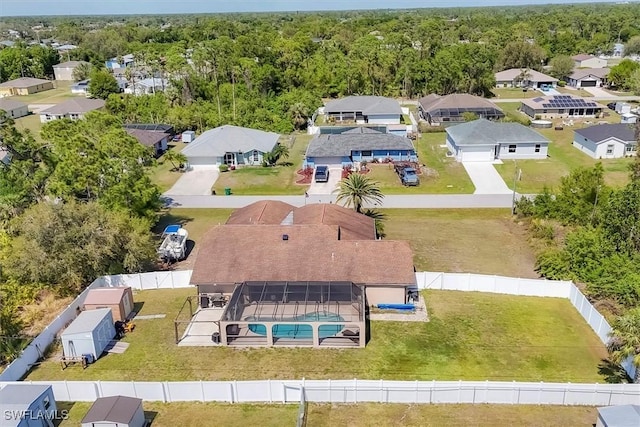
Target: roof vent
(285,237)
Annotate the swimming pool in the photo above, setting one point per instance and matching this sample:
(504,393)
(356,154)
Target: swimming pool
(298,331)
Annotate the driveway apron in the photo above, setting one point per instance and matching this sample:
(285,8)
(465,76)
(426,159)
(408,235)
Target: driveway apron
(486,178)
(195,182)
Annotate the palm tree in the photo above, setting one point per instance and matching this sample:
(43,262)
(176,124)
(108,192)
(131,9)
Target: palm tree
(299,115)
(82,71)
(357,190)
(175,158)
(625,340)
(378,218)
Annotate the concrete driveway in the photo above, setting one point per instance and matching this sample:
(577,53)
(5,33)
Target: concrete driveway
(195,182)
(335,175)
(486,178)
(597,91)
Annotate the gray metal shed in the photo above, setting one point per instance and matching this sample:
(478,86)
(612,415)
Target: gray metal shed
(27,405)
(115,411)
(89,333)
(619,416)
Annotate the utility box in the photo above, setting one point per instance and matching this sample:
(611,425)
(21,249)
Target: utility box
(188,136)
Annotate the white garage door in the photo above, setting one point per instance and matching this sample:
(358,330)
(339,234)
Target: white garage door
(329,161)
(199,161)
(479,154)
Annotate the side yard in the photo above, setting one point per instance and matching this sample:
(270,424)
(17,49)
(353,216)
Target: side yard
(470,336)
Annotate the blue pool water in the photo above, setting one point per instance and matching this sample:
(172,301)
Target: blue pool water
(298,331)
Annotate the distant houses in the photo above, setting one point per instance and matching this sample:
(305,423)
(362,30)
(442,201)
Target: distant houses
(147,86)
(560,106)
(13,109)
(588,61)
(64,70)
(120,62)
(443,110)
(517,77)
(364,109)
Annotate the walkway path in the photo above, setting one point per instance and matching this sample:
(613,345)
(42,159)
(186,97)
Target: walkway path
(485,178)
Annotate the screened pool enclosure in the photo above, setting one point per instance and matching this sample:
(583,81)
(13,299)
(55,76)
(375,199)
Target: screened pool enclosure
(315,314)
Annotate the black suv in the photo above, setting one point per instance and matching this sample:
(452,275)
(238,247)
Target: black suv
(322,173)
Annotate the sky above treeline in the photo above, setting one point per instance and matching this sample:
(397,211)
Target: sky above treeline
(152,7)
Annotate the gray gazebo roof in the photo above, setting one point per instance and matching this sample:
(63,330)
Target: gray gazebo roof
(344,144)
(620,416)
(485,132)
(366,104)
(231,139)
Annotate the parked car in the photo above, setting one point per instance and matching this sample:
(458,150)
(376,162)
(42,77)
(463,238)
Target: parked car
(612,106)
(322,174)
(409,177)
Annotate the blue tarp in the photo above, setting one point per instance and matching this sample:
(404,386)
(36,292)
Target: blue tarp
(172,229)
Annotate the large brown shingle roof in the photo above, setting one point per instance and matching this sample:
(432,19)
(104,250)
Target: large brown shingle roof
(353,226)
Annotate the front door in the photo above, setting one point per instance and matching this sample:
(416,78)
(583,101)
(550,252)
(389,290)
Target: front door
(229,159)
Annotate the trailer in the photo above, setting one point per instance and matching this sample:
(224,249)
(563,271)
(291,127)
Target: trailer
(174,243)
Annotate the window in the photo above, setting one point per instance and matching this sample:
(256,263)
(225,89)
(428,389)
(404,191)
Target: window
(366,153)
(631,148)
(512,148)
(46,402)
(610,149)
(537,148)
(255,155)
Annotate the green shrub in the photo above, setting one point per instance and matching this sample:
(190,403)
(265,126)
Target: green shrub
(541,229)
(562,83)
(224,168)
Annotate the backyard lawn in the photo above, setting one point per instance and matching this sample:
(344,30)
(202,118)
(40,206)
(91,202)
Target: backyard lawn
(514,93)
(272,180)
(563,157)
(575,92)
(470,336)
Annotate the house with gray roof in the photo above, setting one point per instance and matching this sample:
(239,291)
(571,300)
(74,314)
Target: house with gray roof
(485,141)
(26,405)
(364,109)
(584,60)
(443,110)
(609,141)
(230,145)
(357,145)
(518,77)
(588,77)
(73,109)
(618,416)
(120,411)
(13,109)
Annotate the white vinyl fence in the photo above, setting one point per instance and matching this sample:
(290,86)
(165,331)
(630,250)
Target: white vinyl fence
(351,391)
(145,281)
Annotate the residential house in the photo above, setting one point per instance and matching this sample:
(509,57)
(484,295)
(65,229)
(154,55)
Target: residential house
(518,77)
(73,109)
(364,109)
(147,86)
(608,141)
(119,299)
(560,106)
(120,62)
(64,70)
(588,77)
(358,145)
(158,141)
(24,86)
(484,140)
(443,110)
(588,61)
(618,416)
(65,48)
(13,109)
(27,405)
(115,411)
(81,87)
(230,145)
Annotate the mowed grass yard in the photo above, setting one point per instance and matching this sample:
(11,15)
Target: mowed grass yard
(162,173)
(274,180)
(195,414)
(470,336)
(61,92)
(514,93)
(371,414)
(447,176)
(563,158)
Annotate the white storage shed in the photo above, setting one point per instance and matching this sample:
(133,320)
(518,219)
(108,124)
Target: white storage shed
(188,136)
(89,333)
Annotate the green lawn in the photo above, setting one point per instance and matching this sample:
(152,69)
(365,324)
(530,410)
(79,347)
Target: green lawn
(194,414)
(61,92)
(470,336)
(576,92)
(256,180)
(514,93)
(371,414)
(162,173)
(32,123)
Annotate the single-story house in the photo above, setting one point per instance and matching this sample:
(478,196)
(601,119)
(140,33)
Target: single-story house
(24,86)
(442,110)
(89,333)
(120,62)
(73,109)
(305,247)
(357,145)
(115,411)
(118,299)
(27,405)
(65,48)
(158,141)
(588,61)
(609,141)
(64,70)
(588,77)
(364,109)
(484,140)
(147,86)
(230,145)
(81,87)
(618,416)
(517,77)
(560,106)
(14,109)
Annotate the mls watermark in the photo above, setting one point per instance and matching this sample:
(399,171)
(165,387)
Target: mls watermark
(16,415)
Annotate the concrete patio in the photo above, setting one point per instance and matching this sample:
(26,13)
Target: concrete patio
(201,328)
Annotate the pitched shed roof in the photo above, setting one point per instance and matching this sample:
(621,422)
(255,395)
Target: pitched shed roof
(599,73)
(109,296)
(238,253)
(485,132)
(23,82)
(621,415)
(10,104)
(532,75)
(148,138)
(343,144)
(455,101)
(598,133)
(263,212)
(69,64)
(20,396)
(87,321)
(231,139)
(113,409)
(366,104)
(352,225)
(74,106)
